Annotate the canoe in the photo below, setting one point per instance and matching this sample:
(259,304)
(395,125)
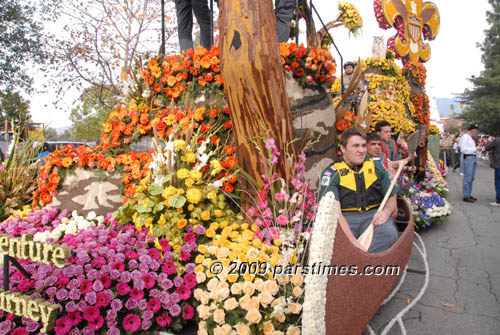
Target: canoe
(353,300)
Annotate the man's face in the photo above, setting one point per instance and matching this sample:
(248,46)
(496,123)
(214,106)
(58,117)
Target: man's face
(385,133)
(473,132)
(348,69)
(355,151)
(373,148)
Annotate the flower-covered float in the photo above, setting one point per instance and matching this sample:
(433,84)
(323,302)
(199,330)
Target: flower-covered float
(178,246)
(149,266)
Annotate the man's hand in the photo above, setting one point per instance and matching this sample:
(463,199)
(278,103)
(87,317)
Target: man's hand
(381,217)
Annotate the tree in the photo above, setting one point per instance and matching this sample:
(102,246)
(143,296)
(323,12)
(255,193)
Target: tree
(254,82)
(87,118)
(50,134)
(14,107)
(104,38)
(482,101)
(22,40)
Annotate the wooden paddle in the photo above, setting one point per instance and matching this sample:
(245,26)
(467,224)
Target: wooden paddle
(366,238)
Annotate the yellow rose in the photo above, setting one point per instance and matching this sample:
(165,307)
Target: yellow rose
(203,312)
(236,288)
(259,284)
(196,174)
(293,330)
(202,249)
(248,288)
(218,213)
(211,195)
(223,253)
(200,277)
(297,291)
(202,328)
(181,223)
(190,207)
(244,302)
(256,243)
(210,233)
(271,287)
(169,191)
(199,259)
(254,303)
(242,329)
(188,182)
(182,173)
(230,304)
(268,328)
(193,195)
(232,278)
(297,279)
(295,308)
(205,215)
(280,317)
(189,157)
(253,316)
(219,316)
(179,145)
(266,298)
(248,277)
(199,268)
(212,284)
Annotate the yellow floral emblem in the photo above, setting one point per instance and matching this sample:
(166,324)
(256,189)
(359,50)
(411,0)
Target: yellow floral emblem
(416,15)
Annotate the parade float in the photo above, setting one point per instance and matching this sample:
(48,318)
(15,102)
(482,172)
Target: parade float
(214,222)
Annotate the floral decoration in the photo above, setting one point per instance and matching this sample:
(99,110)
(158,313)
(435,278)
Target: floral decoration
(350,17)
(311,66)
(321,249)
(196,71)
(118,281)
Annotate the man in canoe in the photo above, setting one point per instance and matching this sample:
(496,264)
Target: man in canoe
(360,184)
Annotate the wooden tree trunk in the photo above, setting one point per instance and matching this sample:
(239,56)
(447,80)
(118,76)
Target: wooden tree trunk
(254,82)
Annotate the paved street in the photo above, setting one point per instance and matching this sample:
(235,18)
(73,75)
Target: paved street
(464,257)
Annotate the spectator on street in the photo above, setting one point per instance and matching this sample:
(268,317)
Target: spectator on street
(494,148)
(469,153)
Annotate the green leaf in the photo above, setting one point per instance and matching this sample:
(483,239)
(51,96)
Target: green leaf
(177,201)
(159,207)
(166,179)
(142,209)
(155,189)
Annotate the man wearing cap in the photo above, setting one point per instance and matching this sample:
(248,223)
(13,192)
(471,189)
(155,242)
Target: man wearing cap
(469,151)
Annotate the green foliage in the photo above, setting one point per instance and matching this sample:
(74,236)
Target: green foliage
(21,41)
(18,176)
(482,101)
(13,107)
(88,117)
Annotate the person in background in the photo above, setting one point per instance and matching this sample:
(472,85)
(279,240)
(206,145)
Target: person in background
(185,10)
(389,147)
(494,147)
(43,153)
(374,148)
(2,157)
(469,151)
(283,10)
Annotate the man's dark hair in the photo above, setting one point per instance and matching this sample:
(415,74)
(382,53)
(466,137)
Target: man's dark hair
(370,137)
(381,124)
(349,133)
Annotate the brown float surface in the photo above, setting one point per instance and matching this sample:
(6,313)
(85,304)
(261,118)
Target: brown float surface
(352,301)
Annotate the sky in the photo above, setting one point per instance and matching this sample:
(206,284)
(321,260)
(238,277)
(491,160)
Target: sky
(454,54)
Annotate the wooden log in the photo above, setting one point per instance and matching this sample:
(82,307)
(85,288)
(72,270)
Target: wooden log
(254,83)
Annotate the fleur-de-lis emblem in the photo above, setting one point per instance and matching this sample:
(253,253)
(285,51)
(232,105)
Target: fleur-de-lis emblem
(417,20)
